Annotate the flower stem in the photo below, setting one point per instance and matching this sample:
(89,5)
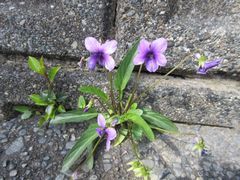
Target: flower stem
(131,97)
(134,146)
(169,72)
(111,92)
(104,107)
(94,149)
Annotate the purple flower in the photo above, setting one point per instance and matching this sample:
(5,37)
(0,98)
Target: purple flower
(204,67)
(100,53)
(102,130)
(151,54)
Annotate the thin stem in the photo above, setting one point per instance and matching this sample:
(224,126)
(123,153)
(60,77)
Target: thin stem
(120,103)
(94,148)
(49,83)
(134,146)
(111,92)
(134,89)
(103,106)
(178,65)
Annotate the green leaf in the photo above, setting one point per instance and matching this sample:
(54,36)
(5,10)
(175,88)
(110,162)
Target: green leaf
(81,145)
(125,69)
(21,109)
(38,100)
(81,102)
(61,109)
(61,97)
(42,120)
(136,119)
(73,117)
(134,106)
(27,114)
(49,111)
(159,120)
(90,160)
(137,132)
(136,111)
(95,91)
(122,134)
(52,73)
(35,65)
(41,61)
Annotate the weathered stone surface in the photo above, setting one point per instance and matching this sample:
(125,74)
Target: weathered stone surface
(169,156)
(201,101)
(212,26)
(53,27)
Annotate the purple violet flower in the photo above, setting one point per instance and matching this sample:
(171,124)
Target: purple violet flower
(151,54)
(100,53)
(102,130)
(202,69)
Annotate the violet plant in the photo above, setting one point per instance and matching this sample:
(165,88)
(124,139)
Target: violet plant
(52,101)
(119,116)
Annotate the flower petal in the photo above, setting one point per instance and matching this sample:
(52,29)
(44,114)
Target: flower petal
(161,59)
(208,65)
(92,45)
(92,61)
(109,62)
(109,47)
(197,55)
(100,131)
(101,121)
(159,45)
(111,133)
(138,59)
(211,64)
(151,65)
(143,47)
(201,70)
(108,145)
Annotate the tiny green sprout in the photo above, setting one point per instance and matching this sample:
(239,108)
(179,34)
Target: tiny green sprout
(200,146)
(139,169)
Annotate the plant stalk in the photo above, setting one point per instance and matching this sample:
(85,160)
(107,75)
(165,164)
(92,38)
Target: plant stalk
(130,100)
(111,92)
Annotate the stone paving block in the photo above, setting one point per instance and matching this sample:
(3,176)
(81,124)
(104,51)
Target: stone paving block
(198,101)
(212,26)
(54,28)
(168,156)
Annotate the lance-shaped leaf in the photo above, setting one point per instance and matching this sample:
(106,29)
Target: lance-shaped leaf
(159,120)
(73,117)
(136,119)
(137,132)
(81,102)
(52,73)
(89,162)
(36,66)
(125,69)
(122,134)
(38,100)
(81,145)
(94,91)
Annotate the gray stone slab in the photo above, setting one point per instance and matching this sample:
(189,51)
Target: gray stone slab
(212,26)
(56,28)
(201,101)
(168,156)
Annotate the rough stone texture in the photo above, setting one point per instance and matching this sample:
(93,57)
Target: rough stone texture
(169,157)
(53,27)
(212,26)
(201,101)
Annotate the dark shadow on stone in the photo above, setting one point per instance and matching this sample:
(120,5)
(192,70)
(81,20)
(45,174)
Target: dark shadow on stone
(212,169)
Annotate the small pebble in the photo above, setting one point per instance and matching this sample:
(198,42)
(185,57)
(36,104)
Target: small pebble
(13,173)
